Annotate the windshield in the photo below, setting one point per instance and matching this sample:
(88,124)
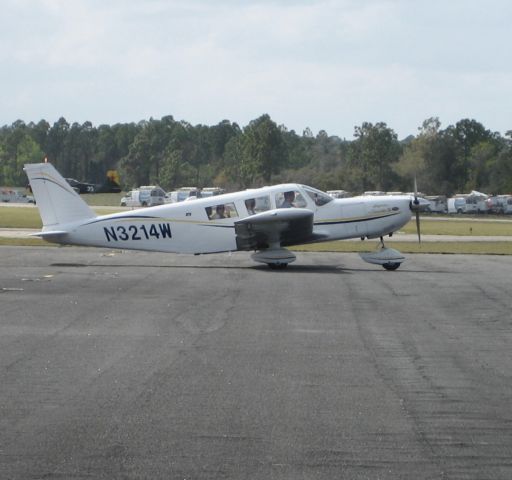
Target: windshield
(320,198)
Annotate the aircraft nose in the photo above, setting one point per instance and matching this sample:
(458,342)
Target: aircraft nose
(423,203)
(419,203)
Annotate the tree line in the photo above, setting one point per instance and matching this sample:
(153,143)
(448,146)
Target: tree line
(462,157)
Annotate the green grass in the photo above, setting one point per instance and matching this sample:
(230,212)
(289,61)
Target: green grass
(460,227)
(483,248)
(103,199)
(28,217)
(19,217)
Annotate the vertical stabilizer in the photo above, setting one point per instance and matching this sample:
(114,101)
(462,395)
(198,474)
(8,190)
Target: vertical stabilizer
(58,203)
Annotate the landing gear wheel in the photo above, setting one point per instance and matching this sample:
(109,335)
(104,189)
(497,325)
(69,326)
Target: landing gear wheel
(391,265)
(277,266)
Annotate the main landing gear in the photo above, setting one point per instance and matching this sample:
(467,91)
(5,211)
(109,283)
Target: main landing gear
(389,258)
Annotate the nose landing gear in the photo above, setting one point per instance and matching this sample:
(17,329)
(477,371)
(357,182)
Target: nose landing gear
(276,258)
(389,258)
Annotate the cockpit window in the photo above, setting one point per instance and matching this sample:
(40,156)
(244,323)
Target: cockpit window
(320,198)
(290,199)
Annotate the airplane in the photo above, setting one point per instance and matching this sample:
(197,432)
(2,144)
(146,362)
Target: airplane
(264,220)
(81,187)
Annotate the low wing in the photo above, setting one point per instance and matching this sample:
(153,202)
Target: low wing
(284,226)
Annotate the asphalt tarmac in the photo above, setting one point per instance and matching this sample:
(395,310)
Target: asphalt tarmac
(132,365)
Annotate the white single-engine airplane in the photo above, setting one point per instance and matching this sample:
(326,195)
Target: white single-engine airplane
(264,220)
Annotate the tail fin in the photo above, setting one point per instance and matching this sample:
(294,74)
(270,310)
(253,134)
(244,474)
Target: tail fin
(58,203)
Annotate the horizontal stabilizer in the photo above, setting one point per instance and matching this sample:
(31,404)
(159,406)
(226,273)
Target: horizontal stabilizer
(51,234)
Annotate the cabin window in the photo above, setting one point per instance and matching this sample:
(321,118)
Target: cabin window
(257,204)
(221,211)
(289,199)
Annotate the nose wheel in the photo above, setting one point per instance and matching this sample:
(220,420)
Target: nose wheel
(276,258)
(389,258)
(391,265)
(277,266)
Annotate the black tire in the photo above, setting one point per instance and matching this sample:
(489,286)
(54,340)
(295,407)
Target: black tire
(391,265)
(277,266)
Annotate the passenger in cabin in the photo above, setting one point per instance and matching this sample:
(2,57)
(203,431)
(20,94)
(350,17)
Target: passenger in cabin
(220,212)
(250,203)
(289,197)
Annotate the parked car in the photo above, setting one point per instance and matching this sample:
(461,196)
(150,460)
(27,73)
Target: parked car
(14,196)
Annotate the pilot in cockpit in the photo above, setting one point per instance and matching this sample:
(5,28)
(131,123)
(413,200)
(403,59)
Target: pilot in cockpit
(289,197)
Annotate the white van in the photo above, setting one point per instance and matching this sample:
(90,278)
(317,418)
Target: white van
(211,191)
(338,193)
(500,204)
(508,206)
(192,193)
(182,194)
(145,196)
(477,203)
(457,205)
(438,204)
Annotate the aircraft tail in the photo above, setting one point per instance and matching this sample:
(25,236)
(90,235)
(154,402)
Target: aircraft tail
(58,203)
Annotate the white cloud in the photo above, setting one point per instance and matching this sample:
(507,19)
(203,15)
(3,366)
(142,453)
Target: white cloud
(325,64)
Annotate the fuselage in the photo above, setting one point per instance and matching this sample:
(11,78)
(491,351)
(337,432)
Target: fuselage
(208,225)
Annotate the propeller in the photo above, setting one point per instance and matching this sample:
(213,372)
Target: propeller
(415,207)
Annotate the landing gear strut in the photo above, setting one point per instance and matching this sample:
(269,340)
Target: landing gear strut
(389,265)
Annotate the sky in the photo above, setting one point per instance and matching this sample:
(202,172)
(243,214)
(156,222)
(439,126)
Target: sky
(319,64)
